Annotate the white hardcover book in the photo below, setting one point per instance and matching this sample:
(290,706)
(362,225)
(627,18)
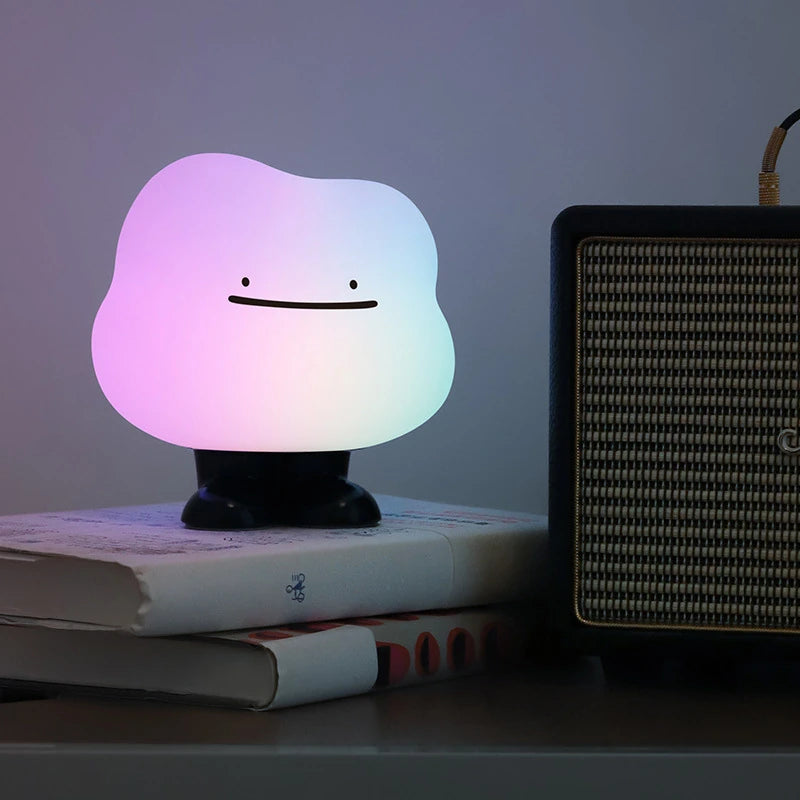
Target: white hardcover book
(264,668)
(139,570)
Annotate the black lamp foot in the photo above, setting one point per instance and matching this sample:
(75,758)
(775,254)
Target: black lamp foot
(238,491)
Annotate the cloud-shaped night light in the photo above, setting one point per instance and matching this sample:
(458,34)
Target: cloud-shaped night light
(257,313)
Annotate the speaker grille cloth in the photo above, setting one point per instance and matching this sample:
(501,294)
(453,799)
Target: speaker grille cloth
(688,372)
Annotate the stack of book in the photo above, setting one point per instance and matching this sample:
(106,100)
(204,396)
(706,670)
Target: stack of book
(127,601)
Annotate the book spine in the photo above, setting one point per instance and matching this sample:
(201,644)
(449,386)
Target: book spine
(334,578)
(325,660)
(322,581)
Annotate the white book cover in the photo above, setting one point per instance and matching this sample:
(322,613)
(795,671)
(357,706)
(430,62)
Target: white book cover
(139,570)
(266,668)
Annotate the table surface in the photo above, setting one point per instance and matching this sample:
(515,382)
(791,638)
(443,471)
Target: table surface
(558,726)
(554,705)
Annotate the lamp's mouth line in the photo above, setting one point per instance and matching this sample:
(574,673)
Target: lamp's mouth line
(257,301)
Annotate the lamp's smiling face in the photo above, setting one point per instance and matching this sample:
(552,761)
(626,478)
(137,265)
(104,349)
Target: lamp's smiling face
(336,306)
(255,310)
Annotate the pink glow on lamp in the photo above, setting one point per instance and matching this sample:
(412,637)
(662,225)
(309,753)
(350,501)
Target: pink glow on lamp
(272,323)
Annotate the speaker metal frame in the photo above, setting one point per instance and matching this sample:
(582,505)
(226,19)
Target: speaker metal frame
(571,227)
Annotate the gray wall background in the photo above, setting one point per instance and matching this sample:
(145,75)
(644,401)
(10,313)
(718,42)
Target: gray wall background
(491,116)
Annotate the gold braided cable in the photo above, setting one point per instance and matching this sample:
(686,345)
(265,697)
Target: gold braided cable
(769,189)
(772,150)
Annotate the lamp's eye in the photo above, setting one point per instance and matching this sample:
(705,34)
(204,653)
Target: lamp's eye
(245,281)
(353,284)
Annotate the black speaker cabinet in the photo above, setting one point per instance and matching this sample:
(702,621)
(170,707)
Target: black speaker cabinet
(674,444)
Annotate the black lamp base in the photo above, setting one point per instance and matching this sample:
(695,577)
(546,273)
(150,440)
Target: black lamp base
(239,491)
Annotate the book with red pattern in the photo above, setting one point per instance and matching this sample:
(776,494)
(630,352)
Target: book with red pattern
(266,668)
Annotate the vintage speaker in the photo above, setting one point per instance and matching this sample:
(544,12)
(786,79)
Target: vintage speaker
(675,410)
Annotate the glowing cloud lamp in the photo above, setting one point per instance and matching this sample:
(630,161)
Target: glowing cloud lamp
(255,316)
